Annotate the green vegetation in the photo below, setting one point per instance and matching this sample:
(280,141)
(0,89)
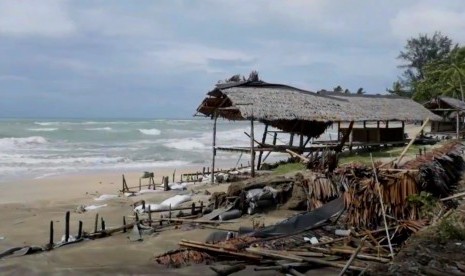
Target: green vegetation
(434,66)
(364,156)
(451,228)
(427,203)
(289,167)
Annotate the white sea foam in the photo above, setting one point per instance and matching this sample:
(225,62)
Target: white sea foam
(185,144)
(152,131)
(43,129)
(47,123)
(13,143)
(100,128)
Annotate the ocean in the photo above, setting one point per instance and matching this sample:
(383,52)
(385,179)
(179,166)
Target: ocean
(41,148)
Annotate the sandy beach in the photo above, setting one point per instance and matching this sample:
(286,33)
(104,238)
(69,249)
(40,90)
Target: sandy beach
(28,206)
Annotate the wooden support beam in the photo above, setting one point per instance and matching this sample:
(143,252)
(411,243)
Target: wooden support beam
(96,223)
(252,149)
(346,136)
(79,230)
(457,119)
(50,243)
(67,226)
(265,133)
(214,148)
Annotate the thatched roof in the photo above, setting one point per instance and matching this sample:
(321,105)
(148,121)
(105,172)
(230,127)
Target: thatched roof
(273,102)
(443,102)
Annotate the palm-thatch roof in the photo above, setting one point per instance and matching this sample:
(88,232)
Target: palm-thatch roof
(304,112)
(443,102)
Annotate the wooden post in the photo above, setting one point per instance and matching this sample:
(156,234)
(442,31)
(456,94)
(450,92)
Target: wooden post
(174,175)
(140,184)
(124,224)
(51,234)
(338,131)
(275,136)
(201,207)
(103,224)
(265,132)
(291,139)
(96,223)
(387,124)
(214,149)
(165,183)
(193,208)
(344,138)
(458,124)
(67,227)
(79,230)
(150,216)
(252,149)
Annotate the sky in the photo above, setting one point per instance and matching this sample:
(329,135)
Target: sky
(157,59)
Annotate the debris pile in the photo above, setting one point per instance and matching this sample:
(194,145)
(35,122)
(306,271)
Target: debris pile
(357,215)
(436,172)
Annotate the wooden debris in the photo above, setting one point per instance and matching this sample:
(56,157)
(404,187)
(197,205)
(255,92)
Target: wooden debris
(228,270)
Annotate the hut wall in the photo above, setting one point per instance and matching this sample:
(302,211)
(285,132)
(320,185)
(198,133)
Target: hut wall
(443,127)
(375,135)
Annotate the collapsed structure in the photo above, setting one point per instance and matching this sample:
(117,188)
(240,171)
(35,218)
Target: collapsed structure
(452,112)
(308,115)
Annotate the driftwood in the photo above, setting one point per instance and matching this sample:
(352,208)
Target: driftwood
(291,257)
(335,251)
(221,250)
(295,154)
(196,220)
(352,258)
(228,270)
(453,196)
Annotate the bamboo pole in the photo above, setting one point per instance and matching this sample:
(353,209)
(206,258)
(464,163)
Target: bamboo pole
(411,141)
(382,205)
(453,196)
(352,258)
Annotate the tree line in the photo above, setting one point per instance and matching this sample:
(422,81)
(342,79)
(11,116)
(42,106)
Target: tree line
(433,66)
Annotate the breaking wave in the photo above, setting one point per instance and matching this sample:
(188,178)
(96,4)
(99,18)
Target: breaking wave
(152,131)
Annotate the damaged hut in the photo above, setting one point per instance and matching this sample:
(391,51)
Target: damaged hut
(305,115)
(452,112)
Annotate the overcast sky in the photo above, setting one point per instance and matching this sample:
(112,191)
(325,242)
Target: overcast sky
(109,58)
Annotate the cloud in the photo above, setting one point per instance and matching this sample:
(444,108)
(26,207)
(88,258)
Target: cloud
(428,18)
(12,78)
(48,18)
(197,57)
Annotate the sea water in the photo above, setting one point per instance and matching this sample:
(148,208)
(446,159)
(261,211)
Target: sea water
(39,148)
